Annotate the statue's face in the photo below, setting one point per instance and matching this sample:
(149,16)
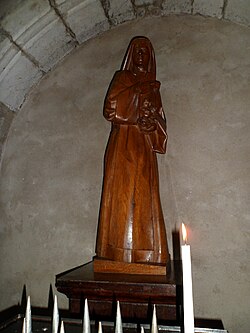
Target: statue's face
(141,56)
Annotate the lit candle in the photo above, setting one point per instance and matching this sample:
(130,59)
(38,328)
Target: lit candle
(187,285)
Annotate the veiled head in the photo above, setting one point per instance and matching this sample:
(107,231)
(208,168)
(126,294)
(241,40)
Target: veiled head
(132,58)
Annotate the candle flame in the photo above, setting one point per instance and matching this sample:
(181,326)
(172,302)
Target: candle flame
(184,232)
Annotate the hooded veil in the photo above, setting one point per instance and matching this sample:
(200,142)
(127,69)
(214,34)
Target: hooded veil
(128,60)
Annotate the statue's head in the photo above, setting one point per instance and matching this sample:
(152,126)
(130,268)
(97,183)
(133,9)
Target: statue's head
(140,54)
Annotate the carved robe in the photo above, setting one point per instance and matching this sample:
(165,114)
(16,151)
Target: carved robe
(131,225)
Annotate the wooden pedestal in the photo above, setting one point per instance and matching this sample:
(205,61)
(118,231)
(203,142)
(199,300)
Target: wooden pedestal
(136,293)
(110,266)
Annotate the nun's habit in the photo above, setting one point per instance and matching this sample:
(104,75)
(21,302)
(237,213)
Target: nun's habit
(131,225)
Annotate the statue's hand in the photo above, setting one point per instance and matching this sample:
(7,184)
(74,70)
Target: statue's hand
(146,124)
(109,113)
(109,109)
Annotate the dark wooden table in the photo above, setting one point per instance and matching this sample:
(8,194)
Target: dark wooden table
(136,293)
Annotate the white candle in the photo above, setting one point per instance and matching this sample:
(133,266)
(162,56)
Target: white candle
(154,327)
(62,327)
(86,319)
(55,320)
(28,320)
(118,322)
(187,285)
(100,327)
(24,327)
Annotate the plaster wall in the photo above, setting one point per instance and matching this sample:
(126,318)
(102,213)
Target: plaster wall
(51,172)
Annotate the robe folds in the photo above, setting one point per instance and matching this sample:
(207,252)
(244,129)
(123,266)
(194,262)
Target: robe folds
(131,224)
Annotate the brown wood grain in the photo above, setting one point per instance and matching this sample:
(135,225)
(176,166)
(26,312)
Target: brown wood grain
(131,223)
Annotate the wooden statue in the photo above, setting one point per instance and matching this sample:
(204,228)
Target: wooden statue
(131,225)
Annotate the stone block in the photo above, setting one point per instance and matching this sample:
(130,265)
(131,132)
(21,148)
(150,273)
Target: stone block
(17,73)
(39,32)
(153,10)
(49,44)
(6,117)
(16,79)
(20,18)
(148,7)
(176,7)
(238,11)
(120,11)
(208,8)
(7,52)
(143,2)
(86,18)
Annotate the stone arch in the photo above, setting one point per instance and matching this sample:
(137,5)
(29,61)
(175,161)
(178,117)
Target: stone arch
(36,35)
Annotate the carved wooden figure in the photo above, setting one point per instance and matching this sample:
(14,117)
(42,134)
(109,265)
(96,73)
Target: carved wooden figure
(131,224)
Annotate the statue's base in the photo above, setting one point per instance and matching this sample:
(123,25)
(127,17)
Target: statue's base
(136,292)
(110,266)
